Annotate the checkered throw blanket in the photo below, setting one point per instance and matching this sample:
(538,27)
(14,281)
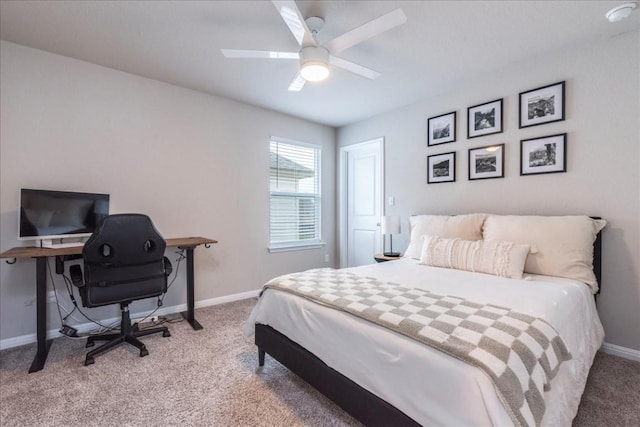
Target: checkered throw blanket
(520,353)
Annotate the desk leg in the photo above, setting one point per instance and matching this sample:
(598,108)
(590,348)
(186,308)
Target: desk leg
(188,315)
(41,316)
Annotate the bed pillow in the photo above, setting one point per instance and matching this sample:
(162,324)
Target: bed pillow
(466,227)
(564,244)
(503,259)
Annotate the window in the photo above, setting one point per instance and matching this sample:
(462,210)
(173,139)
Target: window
(294,175)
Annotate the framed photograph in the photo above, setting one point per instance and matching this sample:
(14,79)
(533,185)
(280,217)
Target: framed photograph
(547,154)
(441,129)
(542,105)
(484,119)
(441,168)
(486,162)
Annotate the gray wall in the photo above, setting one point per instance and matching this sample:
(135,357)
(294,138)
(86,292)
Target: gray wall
(197,164)
(602,122)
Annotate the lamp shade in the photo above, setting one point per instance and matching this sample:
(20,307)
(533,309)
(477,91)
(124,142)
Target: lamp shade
(390,225)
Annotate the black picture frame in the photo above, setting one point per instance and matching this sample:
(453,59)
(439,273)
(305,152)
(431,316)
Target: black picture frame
(441,168)
(486,162)
(542,105)
(546,154)
(485,119)
(441,129)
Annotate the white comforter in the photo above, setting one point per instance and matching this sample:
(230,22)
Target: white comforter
(427,385)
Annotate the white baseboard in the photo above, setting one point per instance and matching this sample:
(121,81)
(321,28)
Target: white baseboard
(88,326)
(226,299)
(616,350)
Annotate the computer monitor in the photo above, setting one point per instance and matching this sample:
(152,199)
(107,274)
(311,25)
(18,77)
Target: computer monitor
(46,215)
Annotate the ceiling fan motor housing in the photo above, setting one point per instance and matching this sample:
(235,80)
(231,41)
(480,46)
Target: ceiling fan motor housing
(314,63)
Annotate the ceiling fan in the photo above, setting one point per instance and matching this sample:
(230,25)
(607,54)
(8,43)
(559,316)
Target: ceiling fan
(315,58)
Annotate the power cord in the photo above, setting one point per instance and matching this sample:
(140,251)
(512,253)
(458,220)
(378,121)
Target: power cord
(161,320)
(67,330)
(71,332)
(181,256)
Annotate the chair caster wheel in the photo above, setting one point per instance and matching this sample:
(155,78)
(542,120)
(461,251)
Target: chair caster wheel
(144,352)
(166,334)
(89,361)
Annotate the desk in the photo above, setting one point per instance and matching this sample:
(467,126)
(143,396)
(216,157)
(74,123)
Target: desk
(41,254)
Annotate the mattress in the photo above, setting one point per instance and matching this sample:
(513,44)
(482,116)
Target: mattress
(427,385)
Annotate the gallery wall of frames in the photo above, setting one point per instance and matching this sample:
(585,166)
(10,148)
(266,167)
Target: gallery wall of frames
(540,155)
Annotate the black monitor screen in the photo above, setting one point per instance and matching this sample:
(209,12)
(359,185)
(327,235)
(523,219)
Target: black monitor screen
(57,214)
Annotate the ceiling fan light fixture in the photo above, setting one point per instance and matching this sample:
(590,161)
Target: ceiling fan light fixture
(314,63)
(314,72)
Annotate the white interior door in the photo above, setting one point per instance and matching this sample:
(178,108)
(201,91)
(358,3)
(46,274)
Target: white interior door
(362,199)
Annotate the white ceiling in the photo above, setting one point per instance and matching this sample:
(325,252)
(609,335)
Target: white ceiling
(443,44)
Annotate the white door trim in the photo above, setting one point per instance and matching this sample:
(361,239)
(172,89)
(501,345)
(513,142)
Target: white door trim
(342,192)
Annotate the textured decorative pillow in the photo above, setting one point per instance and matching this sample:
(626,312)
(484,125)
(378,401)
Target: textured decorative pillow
(564,243)
(503,259)
(466,227)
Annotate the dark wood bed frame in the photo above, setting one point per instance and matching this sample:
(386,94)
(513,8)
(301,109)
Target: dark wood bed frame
(361,404)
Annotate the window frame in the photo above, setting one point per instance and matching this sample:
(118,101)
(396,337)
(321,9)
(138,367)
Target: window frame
(295,245)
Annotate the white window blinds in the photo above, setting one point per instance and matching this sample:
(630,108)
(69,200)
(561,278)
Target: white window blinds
(295,194)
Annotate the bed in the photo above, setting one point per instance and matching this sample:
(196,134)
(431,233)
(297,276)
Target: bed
(547,268)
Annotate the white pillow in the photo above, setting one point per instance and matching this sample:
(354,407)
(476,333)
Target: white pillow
(503,259)
(564,243)
(466,227)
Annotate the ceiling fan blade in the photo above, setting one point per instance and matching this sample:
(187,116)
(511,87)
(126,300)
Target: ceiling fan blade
(297,84)
(366,31)
(295,21)
(354,68)
(241,53)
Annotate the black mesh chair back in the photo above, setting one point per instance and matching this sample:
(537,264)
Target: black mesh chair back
(124,261)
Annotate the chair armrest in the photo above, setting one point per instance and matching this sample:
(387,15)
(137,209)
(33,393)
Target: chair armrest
(168,268)
(76,275)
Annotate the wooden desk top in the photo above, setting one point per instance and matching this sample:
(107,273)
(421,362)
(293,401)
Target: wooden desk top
(35,252)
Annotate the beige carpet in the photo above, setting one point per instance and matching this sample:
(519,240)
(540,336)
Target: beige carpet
(211,378)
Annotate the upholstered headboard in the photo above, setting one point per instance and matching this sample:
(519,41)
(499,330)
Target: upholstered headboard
(566,246)
(597,257)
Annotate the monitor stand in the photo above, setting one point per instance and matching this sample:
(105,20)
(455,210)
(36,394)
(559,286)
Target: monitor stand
(48,243)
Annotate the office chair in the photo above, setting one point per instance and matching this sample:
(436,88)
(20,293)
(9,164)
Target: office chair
(123,262)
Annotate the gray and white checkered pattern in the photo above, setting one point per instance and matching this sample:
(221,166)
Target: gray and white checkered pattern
(520,353)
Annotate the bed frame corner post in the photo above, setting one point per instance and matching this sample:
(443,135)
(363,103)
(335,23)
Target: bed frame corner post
(260,357)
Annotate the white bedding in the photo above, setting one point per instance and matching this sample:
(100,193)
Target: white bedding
(427,385)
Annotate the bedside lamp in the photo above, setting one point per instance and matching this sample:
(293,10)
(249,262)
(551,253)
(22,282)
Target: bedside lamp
(390,226)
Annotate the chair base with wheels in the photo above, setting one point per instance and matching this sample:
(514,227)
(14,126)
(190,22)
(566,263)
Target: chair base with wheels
(128,334)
